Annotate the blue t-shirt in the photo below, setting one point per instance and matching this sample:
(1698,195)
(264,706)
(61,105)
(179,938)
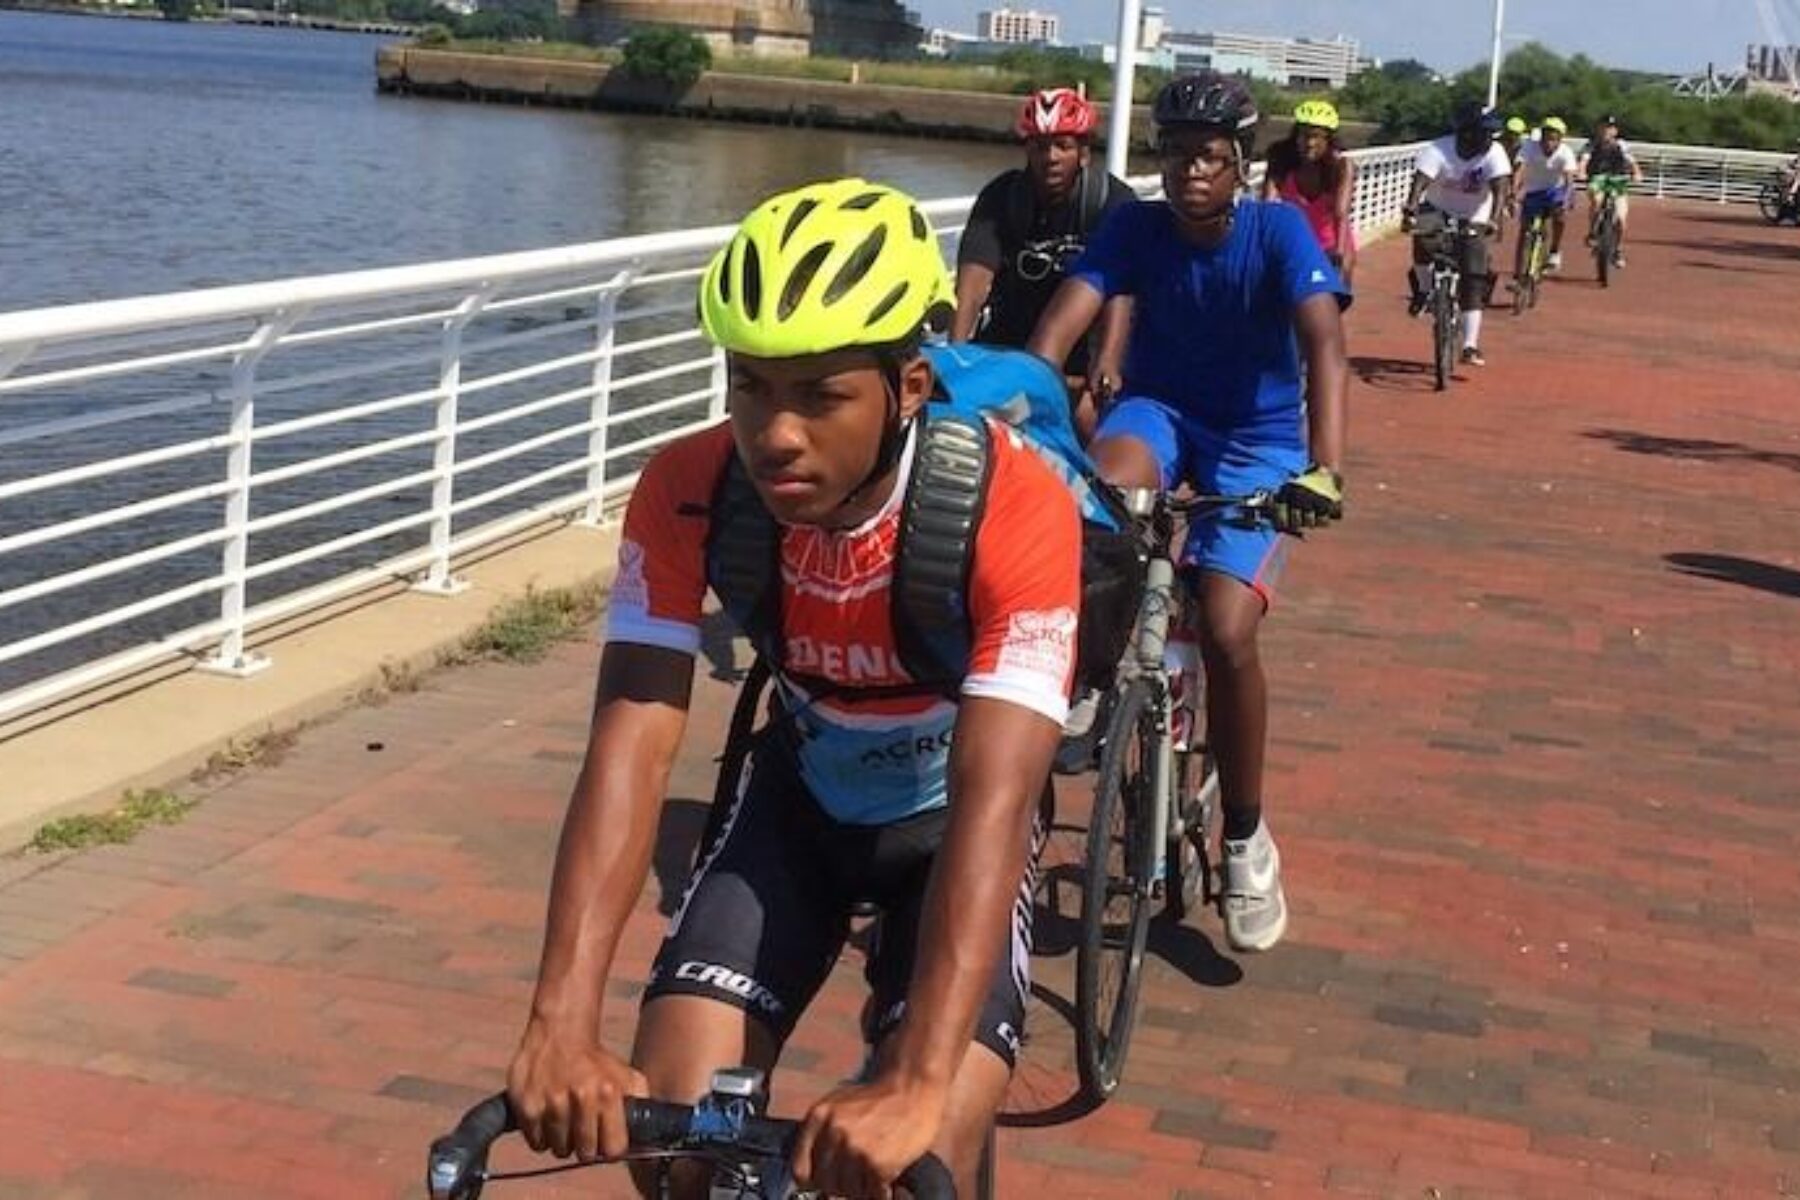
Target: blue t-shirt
(1213,329)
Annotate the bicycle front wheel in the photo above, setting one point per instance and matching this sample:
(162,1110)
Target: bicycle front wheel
(1116,883)
(1605,246)
(1443,335)
(1772,201)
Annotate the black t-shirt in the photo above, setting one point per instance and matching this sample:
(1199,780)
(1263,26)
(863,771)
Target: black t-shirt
(1030,249)
(1608,160)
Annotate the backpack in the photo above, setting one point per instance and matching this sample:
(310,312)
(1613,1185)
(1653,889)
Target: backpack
(940,517)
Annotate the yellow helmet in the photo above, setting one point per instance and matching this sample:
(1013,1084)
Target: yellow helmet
(1517,125)
(1321,114)
(825,267)
(1557,124)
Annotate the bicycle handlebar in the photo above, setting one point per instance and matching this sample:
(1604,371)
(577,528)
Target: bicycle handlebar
(457,1164)
(1143,502)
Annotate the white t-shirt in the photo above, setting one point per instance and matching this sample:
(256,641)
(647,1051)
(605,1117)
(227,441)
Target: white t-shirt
(1462,186)
(1543,172)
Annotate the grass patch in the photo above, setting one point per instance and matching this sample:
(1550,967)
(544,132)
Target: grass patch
(954,77)
(562,51)
(153,806)
(524,630)
(265,749)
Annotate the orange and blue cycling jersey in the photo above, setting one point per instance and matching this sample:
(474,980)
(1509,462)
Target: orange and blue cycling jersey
(872,759)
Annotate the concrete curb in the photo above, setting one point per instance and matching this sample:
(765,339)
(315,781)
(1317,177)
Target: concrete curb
(159,726)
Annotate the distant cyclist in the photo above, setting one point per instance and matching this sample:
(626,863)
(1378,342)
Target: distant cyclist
(1545,182)
(1609,163)
(1310,170)
(1028,227)
(1465,176)
(1513,136)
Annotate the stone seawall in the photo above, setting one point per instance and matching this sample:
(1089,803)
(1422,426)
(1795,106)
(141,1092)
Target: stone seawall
(928,112)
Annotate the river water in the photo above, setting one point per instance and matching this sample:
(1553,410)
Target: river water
(146,156)
(140,157)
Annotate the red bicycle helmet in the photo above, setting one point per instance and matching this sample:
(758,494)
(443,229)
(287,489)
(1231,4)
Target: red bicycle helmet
(1055,111)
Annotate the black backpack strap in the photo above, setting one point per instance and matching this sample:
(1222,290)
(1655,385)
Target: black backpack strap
(935,553)
(743,560)
(1090,199)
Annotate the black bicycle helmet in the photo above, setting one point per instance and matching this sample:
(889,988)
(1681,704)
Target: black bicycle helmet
(1470,116)
(1208,100)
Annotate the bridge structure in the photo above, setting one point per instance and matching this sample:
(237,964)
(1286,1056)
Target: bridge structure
(1532,754)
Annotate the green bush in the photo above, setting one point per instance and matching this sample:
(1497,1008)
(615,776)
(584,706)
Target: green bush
(434,35)
(667,55)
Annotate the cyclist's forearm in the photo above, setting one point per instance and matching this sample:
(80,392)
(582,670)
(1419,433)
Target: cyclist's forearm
(1115,331)
(1071,312)
(603,856)
(973,284)
(1321,330)
(1000,761)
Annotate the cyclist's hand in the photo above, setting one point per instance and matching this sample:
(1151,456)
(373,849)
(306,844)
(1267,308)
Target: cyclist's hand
(857,1141)
(569,1094)
(1309,500)
(1408,218)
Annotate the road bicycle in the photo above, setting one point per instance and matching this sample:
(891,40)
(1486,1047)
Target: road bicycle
(1156,796)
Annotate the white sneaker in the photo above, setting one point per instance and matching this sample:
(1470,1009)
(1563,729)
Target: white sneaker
(1553,264)
(1255,907)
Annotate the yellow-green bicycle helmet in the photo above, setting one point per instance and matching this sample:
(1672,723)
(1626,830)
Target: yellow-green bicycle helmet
(1557,124)
(1517,125)
(825,267)
(1321,114)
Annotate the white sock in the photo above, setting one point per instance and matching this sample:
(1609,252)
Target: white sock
(1471,329)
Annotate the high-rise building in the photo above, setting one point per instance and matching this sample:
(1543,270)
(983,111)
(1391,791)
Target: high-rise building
(1013,25)
(1152,22)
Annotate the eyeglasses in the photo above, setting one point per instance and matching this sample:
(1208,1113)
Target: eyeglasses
(1207,161)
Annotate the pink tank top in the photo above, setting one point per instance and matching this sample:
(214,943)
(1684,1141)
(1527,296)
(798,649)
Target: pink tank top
(1320,210)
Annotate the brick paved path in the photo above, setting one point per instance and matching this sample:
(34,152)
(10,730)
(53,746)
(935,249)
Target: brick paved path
(1536,773)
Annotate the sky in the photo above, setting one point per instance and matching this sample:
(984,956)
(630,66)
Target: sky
(1652,35)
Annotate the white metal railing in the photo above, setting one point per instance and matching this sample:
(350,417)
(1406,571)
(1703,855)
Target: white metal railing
(1705,172)
(178,470)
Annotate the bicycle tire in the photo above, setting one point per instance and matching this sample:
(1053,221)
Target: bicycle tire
(1443,336)
(1603,250)
(1770,201)
(1103,1030)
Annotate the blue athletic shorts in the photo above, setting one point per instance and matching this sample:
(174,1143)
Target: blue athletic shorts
(1545,203)
(1188,452)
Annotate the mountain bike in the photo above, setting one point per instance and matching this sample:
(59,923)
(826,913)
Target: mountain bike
(1443,237)
(1156,797)
(1527,282)
(1607,189)
(748,1152)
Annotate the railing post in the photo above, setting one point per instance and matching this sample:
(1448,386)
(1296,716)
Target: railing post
(715,406)
(1724,179)
(438,581)
(230,658)
(606,306)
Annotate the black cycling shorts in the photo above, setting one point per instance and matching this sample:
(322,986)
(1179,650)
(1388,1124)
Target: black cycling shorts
(769,907)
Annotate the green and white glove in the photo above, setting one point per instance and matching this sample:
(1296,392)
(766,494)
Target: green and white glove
(1309,500)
